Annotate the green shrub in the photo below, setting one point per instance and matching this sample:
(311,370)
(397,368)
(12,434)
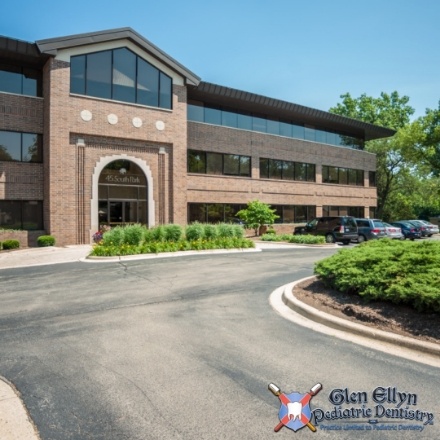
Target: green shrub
(238,231)
(159,233)
(114,237)
(195,231)
(45,240)
(10,244)
(275,237)
(226,230)
(397,271)
(210,231)
(270,231)
(173,232)
(306,239)
(133,234)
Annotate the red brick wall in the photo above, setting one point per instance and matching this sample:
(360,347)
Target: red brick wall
(68,182)
(225,189)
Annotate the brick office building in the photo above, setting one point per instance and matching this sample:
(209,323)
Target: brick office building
(105,128)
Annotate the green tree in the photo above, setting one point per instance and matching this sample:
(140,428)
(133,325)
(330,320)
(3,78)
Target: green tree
(391,111)
(257,214)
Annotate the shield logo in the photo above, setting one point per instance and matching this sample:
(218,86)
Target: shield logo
(295,410)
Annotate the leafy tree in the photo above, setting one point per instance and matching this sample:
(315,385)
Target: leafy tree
(430,145)
(257,214)
(391,111)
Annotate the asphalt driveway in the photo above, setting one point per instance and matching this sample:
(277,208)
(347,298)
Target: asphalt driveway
(181,348)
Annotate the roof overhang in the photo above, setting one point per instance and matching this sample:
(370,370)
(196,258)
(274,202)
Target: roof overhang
(21,52)
(53,45)
(250,102)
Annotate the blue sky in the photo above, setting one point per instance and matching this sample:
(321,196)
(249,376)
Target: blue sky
(304,51)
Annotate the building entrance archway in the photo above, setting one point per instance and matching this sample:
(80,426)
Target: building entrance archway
(122,194)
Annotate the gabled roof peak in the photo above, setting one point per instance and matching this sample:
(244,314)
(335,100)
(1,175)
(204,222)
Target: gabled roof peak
(52,45)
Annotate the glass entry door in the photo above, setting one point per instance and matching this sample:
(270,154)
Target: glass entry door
(122,193)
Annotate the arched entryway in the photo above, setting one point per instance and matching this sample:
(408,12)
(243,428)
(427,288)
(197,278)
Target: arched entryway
(122,192)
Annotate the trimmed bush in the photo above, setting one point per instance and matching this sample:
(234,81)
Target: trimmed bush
(173,232)
(226,230)
(114,237)
(396,271)
(307,239)
(195,231)
(210,231)
(45,240)
(133,234)
(158,233)
(10,244)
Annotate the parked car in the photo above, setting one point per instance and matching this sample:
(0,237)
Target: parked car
(341,229)
(369,229)
(393,232)
(426,232)
(434,229)
(408,229)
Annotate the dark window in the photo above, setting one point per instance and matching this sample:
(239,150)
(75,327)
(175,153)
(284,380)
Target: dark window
(78,75)
(372,178)
(196,161)
(20,80)
(360,177)
(311,172)
(330,174)
(121,75)
(214,163)
(343,176)
(231,164)
(288,170)
(352,177)
(218,163)
(20,147)
(166,86)
(300,171)
(20,214)
(124,75)
(275,169)
(148,84)
(264,168)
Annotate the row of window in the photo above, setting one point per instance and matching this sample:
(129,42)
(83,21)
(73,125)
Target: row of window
(20,80)
(20,147)
(342,176)
(286,170)
(21,214)
(204,162)
(224,212)
(252,122)
(121,75)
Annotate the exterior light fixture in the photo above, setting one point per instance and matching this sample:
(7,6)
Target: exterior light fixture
(80,142)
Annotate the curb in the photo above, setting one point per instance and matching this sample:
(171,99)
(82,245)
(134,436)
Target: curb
(313,314)
(15,421)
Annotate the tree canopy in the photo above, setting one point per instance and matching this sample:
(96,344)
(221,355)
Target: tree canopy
(408,164)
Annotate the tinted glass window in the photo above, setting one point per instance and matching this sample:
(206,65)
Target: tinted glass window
(231,164)
(214,163)
(343,176)
(309,134)
(273,127)
(27,215)
(245,166)
(124,75)
(286,129)
(99,74)
(196,161)
(288,170)
(259,124)
(264,168)
(213,116)
(275,169)
(244,121)
(31,148)
(195,113)
(148,84)
(350,221)
(30,80)
(311,173)
(78,74)
(300,171)
(165,91)
(10,81)
(10,146)
(229,119)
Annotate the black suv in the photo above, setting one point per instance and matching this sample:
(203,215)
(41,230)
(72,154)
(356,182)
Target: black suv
(369,228)
(334,229)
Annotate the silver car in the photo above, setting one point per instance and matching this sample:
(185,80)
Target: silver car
(434,229)
(393,232)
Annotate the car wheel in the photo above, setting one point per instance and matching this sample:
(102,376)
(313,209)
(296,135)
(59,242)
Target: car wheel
(346,242)
(361,238)
(329,238)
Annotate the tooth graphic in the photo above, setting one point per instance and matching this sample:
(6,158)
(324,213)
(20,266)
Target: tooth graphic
(294,410)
